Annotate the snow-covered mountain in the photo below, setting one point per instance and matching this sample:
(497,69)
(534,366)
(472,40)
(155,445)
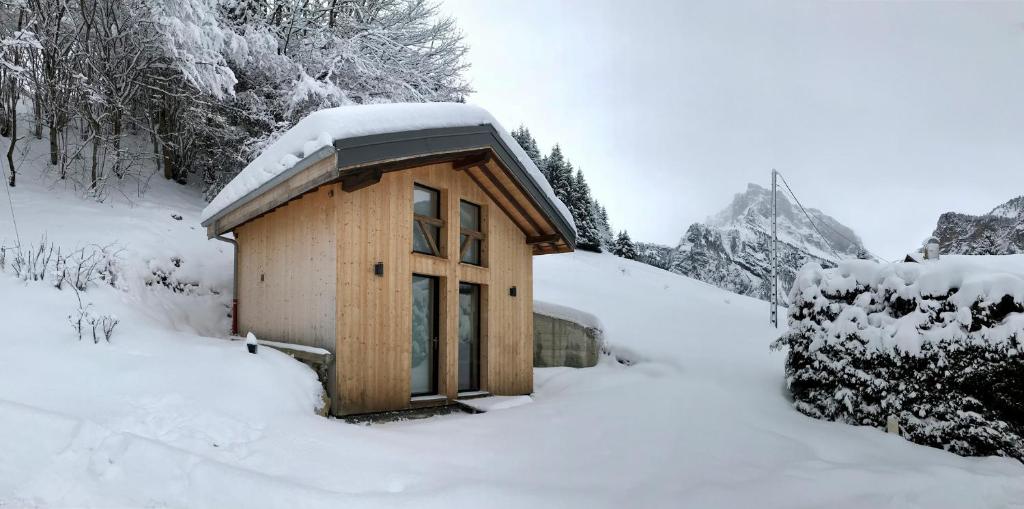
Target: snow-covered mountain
(731,248)
(1000,231)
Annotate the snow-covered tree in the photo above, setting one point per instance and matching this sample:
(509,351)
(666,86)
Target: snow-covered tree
(604,228)
(571,187)
(990,244)
(525,139)
(581,204)
(559,173)
(624,246)
(209,82)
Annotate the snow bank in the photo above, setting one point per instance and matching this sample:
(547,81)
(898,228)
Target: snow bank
(320,129)
(936,345)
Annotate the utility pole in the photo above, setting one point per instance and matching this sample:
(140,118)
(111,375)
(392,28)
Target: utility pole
(774,256)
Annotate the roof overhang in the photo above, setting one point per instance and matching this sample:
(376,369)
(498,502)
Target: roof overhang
(360,161)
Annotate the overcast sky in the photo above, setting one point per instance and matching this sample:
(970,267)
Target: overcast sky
(882,114)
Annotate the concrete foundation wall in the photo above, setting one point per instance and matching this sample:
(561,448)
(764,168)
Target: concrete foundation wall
(560,342)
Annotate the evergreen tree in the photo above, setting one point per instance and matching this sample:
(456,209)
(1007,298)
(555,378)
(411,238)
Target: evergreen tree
(558,171)
(525,139)
(604,230)
(581,205)
(990,245)
(624,246)
(594,232)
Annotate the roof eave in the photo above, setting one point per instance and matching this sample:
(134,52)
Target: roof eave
(368,150)
(304,163)
(374,149)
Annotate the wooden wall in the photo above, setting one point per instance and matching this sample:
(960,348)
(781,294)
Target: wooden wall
(286,272)
(374,224)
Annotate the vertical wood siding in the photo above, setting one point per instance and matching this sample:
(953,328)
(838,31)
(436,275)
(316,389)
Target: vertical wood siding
(374,316)
(293,248)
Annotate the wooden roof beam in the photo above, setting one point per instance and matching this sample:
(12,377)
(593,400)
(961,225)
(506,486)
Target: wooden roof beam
(543,239)
(470,161)
(508,196)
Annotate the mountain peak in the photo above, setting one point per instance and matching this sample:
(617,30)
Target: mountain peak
(731,249)
(752,210)
(1001,231)
(1013,208)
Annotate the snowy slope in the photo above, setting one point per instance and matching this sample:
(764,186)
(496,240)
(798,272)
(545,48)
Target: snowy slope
(170,415)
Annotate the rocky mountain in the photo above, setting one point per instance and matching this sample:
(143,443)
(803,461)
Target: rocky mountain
(1000,231)
(731,248)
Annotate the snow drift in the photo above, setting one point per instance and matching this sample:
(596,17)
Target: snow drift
(936,345)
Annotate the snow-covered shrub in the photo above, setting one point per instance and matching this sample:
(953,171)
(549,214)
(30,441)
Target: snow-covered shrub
(84,320)
(45,261)
(168,274)
(86,266)
(936,345)
(33,263)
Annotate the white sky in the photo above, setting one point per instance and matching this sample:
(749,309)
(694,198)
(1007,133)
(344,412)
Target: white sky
(882,114)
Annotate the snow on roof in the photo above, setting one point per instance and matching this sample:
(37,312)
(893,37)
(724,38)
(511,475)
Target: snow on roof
(322,128)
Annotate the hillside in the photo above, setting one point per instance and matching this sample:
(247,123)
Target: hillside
(1000,231)
(730,249)
(170,414)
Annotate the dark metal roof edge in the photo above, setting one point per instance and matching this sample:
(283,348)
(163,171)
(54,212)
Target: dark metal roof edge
(379,147)
(417,134)
(304,163)
(568,232)
(366,149)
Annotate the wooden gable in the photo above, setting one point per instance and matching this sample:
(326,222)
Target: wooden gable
(359,163)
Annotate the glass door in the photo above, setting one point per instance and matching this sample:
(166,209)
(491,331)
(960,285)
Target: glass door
(424,334)
(469,337)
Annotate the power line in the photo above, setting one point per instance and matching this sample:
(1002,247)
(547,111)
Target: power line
(826,225)
(808,216)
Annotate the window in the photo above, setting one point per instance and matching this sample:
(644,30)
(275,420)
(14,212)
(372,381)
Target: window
(427,223)
(469,337)
(425,319)
(472,238)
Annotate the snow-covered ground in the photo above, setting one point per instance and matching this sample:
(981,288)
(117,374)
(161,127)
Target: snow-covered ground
(168,414)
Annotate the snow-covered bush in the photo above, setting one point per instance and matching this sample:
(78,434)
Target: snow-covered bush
(168,274)
(936,345)
(84,320)
(46,261)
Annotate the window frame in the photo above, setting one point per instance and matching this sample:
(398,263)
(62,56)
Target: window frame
(437,246)
(476,344)
(467,235)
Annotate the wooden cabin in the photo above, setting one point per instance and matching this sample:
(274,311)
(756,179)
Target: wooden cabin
(405,253)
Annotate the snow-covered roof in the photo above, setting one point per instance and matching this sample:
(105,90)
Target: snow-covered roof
(322,128)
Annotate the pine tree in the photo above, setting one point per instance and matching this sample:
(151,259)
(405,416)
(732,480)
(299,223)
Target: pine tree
(624,246)
(594,232)
(558,171)
(989,244)
(525,139)
(604,229)
(581,205)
